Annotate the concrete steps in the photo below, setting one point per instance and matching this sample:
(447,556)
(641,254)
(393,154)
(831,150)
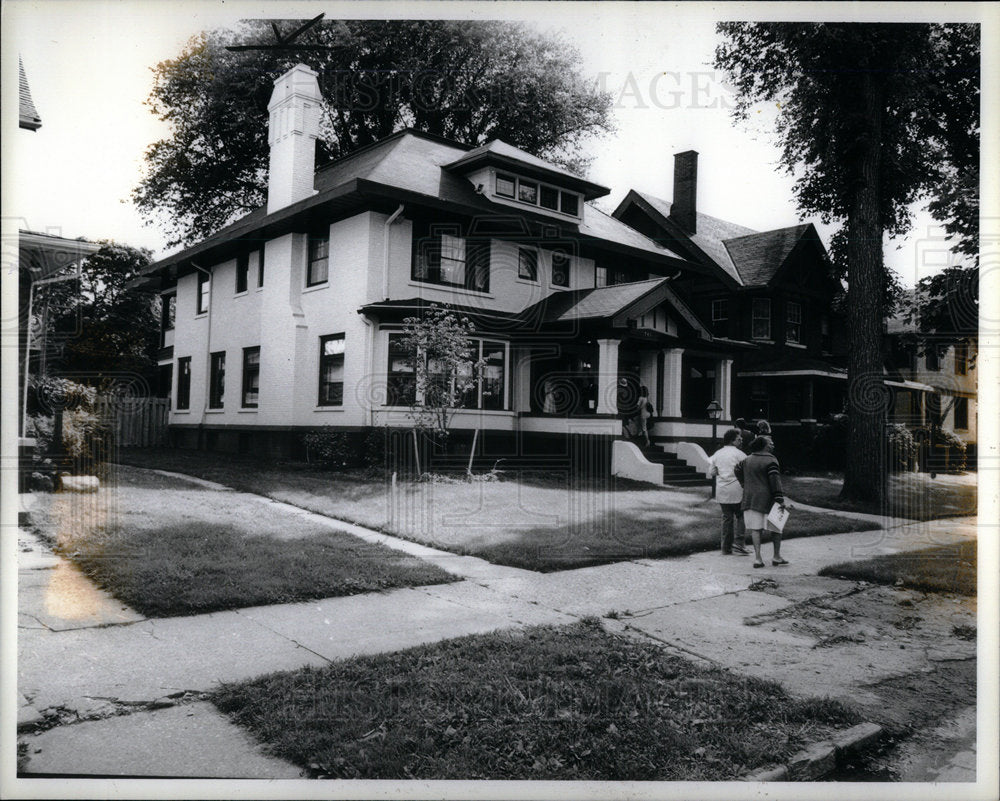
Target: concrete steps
(676,472)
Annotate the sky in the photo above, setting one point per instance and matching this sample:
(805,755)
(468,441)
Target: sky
(88,63)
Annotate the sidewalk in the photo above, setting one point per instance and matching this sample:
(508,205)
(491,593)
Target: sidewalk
(95,667)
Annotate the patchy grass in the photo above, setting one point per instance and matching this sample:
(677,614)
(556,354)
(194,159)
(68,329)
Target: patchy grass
(166,548)
(945,568)
(915,496)
(545,703)
(545,522)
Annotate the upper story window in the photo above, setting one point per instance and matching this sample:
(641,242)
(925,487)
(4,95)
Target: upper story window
(761,321)
(600,276)
(961,358)
(318,268)
(331,370)
(258,257)
(826,341)
(450,260)
(560,268)
(793,322)
(217,380)
(184,383)
(242,272)
(168,312)
(251,377)
(527,264)
(535,193)
(202,296)
(932,358)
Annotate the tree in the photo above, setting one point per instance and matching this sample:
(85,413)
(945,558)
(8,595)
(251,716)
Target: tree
(446,371)
(853,125)
(465,80)
(103,327)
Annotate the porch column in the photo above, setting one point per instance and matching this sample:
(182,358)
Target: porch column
(607,376)
(672,371)
(647,375)
(723,386)
(521,393)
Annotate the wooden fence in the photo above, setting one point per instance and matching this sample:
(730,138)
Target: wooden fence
(137,422)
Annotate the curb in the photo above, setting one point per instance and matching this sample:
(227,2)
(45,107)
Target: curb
(820,758)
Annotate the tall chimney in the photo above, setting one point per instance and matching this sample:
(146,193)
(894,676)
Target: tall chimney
(292,130)
(683,209)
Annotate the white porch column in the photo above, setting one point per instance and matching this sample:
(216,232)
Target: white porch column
(724,386)
(647,374)
(672,371)
(607,376)
(522,379)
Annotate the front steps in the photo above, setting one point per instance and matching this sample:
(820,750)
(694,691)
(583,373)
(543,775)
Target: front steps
(676,472)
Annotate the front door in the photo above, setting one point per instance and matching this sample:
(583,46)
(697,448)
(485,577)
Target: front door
(697,386)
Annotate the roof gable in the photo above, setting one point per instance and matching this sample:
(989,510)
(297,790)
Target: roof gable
(759,257)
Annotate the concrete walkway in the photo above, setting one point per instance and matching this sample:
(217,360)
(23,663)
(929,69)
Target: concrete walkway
(123,688)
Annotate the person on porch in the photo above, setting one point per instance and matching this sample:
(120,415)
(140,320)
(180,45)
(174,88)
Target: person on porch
(729,493)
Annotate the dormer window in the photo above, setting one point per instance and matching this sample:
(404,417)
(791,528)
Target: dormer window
(535,193)
(505,185)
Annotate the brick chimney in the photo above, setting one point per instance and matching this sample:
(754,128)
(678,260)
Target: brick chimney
(683,209)
(292,130)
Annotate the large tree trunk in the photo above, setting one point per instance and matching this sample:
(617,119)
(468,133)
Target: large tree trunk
(865,473)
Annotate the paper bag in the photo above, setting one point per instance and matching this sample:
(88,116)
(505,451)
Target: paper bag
(777,518)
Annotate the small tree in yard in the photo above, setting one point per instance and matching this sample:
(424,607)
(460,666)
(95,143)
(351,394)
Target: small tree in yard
(445,369)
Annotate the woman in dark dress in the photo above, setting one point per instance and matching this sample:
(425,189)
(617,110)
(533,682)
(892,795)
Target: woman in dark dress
(760,476)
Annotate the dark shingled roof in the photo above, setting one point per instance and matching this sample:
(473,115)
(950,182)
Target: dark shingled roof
(751,258)
(710,236)
(28,115)
(414,162)
(599,303)
(758,257)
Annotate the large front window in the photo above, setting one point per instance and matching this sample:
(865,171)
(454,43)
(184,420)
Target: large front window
(217,381)
(487,390)
(331,370)
(761,318)
(441,258)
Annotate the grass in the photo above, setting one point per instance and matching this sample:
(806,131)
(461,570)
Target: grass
(541,522)
(915,496)
(545,703)
(165,549)
(945,568)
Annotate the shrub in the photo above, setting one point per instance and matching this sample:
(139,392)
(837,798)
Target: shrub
(87,438)
(373,449)
(329,448)
(902,447)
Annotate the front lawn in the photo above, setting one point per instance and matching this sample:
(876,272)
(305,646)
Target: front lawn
(944,568)
(551,521)
(915,496)
(544,703)
(166,548)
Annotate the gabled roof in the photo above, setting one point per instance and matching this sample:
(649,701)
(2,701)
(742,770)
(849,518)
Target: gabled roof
(46,255)
(408,166)
(611,304)
(27,114)
(501,154)
(750,258)
(712,232)
(758,257)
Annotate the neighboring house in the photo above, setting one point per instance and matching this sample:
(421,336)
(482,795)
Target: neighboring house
(769,295)
(27,114)
(932,383)
(290,318)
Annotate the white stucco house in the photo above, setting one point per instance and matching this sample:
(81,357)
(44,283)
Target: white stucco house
(289,318)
